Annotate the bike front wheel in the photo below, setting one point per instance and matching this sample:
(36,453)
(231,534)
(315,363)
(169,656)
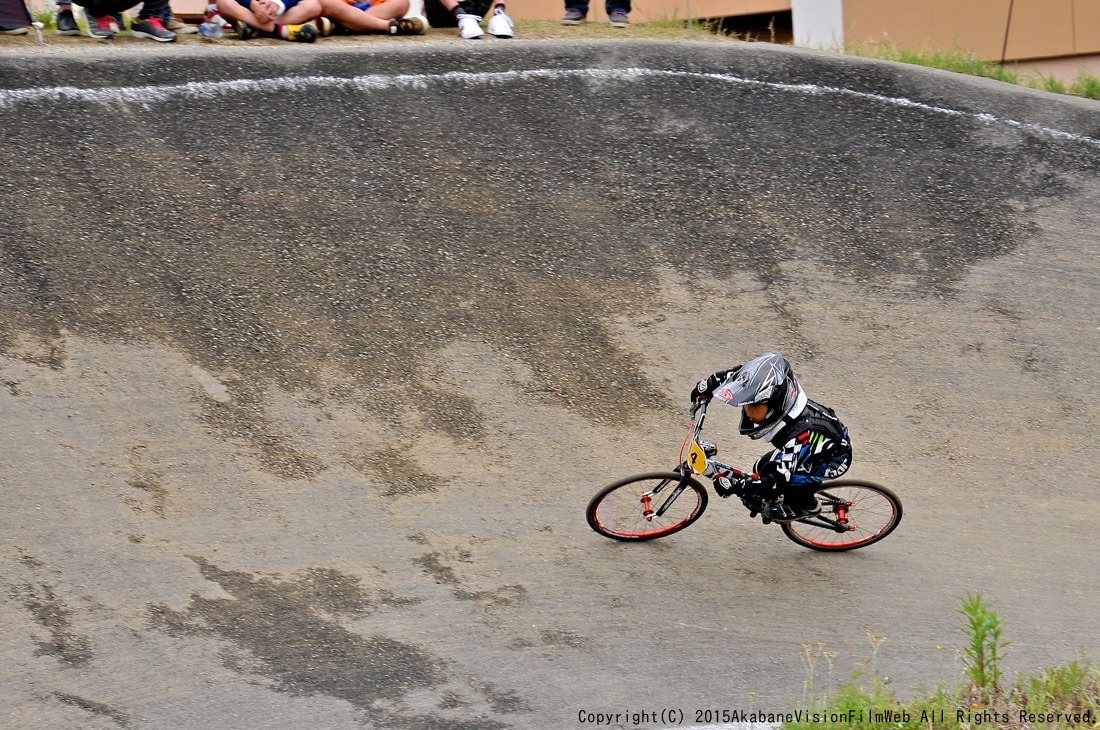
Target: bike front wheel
(647,506)
(854,514)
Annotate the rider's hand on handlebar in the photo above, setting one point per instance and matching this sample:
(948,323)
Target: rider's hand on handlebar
(729,486)
(704,389)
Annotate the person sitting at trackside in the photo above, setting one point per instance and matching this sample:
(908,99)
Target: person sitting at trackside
(103,19)
(285,19)
(467,16)
(379,16)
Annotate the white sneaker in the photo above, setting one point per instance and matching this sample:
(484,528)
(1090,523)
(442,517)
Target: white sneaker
(470,26)
(501,25)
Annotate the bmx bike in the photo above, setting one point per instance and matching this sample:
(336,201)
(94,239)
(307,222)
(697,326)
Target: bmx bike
(854,513)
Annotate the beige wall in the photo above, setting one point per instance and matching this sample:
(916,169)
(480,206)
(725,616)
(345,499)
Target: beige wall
(1038,28)
(647,10)
(1086,26)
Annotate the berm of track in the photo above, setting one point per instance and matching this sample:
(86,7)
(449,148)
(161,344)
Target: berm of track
(311,359)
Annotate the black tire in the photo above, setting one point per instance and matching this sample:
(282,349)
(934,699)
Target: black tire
(870,510)
(618,510)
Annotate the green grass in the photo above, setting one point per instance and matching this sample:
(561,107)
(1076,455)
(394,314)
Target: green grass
(964,62)
(1086,85)
(1065,697)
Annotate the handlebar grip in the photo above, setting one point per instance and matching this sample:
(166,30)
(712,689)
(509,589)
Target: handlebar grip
(699,405)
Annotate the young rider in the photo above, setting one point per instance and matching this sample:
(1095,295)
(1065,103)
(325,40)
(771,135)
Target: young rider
(811,444)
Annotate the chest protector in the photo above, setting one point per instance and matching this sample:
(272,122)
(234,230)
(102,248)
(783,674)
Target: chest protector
(814,417)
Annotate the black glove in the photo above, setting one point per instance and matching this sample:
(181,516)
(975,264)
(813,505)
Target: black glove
(755,489)
(728,486)
(705,388)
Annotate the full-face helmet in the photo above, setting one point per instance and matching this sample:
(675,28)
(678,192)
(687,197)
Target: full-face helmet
(766,379)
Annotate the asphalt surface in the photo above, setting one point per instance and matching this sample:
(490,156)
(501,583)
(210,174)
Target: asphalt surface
(312,358)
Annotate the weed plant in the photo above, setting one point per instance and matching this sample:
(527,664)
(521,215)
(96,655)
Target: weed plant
(1055,699)
(984,648)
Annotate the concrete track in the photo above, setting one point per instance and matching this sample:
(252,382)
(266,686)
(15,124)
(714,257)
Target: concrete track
(312,358)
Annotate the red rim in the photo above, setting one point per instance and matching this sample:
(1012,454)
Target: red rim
(619,511)
(870,511)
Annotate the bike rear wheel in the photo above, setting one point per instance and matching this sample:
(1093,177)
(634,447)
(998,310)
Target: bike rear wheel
(647,506)
(866,511)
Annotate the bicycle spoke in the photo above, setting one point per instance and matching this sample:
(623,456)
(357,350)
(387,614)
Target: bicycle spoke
(853,515)
(627,510)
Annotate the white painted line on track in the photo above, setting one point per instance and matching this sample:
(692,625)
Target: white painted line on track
(149,95)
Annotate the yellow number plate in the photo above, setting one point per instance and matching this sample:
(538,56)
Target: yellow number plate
(697,460)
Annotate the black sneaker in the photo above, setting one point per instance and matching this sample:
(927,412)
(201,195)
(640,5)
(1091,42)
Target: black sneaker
(66,23)
(152,28)
(783,512)
(572,17)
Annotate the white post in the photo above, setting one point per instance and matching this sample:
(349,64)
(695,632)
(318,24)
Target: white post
(818,23)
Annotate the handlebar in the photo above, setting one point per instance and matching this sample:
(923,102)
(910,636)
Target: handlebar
(698,412)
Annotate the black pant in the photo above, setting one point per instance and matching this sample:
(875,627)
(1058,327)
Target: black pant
(610,5)
(440,17)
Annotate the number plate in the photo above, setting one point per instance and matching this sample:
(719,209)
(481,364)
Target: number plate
(697,460)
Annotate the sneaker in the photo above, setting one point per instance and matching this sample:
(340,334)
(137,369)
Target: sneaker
(618,19)
(245,31)
(501,26)
(808,510)
(304,33)
(66,23)
(152,28)
(178,27)
(413,25)
(325,27)
(100,28)
(781,512)
(469,26)
(13,31)
(778,512)
(118,24)
(572,17)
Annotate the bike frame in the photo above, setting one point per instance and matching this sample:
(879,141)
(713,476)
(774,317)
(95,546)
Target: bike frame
(715,469)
